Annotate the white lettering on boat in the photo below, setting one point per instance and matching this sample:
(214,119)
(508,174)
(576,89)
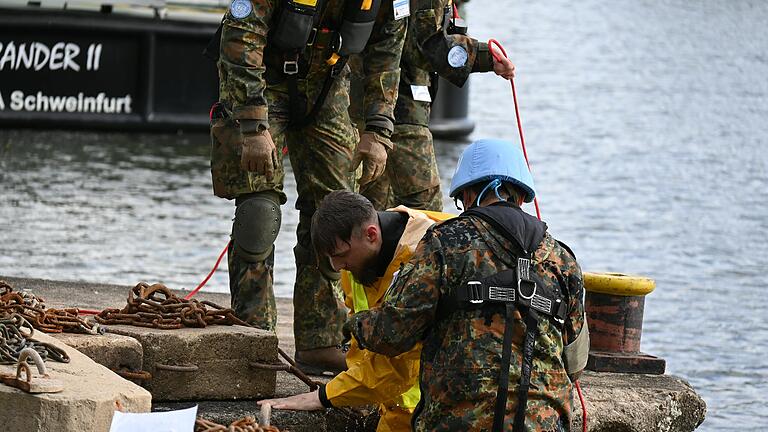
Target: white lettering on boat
(40,102)
(37,56)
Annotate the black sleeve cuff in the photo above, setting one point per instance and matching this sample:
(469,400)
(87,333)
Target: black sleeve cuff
(324,397)
(484,59)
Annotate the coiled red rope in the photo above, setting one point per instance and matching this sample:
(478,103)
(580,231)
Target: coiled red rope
(498,57)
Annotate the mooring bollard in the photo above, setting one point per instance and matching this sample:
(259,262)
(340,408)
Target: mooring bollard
(615,304)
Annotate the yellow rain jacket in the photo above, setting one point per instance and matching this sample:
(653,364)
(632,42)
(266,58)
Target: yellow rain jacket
(371,378)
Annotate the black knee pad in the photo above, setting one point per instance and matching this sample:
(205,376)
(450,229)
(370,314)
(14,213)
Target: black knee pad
(256,225)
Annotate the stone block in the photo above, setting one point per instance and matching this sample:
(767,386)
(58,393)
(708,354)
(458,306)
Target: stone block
(91,395)
(114,351)
(639,403)
(211,363)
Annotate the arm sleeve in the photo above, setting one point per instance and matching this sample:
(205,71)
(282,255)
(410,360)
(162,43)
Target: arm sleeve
(426,31)
(241,63)
(374,379)
(408,309)
(381,67)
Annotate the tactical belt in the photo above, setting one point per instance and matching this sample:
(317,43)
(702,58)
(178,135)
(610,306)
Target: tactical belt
(522,289)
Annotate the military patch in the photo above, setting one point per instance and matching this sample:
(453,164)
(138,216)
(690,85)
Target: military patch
(240,8)
(457,56)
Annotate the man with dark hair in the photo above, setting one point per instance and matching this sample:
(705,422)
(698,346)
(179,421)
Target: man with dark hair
(370,246)
(496,302)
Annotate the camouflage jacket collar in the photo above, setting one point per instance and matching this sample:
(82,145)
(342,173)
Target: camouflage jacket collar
(510,221)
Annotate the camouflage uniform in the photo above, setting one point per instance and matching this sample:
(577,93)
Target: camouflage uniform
(254,91)
(411,166)
(461,353)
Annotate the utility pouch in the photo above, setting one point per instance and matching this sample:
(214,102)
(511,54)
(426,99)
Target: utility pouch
(359,18)
(294,24)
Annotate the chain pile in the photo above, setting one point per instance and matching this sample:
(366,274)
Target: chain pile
(13,340)
(33,309)
(156,306)
(245,424)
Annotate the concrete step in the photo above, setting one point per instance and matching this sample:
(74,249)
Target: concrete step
(115,352)
(210,363)
(91,395)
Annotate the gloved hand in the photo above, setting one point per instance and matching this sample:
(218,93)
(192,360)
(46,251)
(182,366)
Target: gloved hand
(259,154)
(346,331)
(372,152)
(504,68)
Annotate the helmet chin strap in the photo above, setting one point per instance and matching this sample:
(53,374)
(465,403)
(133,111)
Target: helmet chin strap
(495,184)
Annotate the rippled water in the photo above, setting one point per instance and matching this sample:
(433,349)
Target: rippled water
(646,123)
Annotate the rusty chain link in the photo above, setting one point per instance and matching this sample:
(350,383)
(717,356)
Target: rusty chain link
(137,375)
(156,306)
(13,340)
(33,309)
(291,367)
(245,424)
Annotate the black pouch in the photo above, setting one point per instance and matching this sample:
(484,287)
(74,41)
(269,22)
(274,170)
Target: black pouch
(357,27)
(294,25)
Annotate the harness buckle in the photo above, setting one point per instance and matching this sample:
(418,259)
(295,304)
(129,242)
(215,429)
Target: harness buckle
(290,67)
(524,278)
(475,292)
(501,294)
(312,36)
(527,283)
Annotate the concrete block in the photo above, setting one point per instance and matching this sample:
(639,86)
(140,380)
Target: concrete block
(110,350)
(91,395)
(639,403)
(211,363)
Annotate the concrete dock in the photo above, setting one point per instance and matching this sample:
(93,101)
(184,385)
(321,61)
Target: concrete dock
(615,402)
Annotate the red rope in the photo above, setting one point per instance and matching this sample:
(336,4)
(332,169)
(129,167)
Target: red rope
(583,407)
(87,312)
(213,270)
(498,57)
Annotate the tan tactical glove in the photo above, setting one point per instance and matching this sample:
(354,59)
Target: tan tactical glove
(259,154)
(372,152)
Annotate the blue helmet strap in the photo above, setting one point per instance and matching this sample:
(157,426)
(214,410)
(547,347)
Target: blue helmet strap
(495,184)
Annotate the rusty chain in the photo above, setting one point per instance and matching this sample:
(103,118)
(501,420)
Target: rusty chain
(156,306)
(33,309)
(153,306)
(136,375)
(13,340)
(291,367)
(245,424)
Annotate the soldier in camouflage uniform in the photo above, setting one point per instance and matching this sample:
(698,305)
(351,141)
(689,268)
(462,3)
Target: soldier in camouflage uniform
(462,362)
(255,119)
(412,177)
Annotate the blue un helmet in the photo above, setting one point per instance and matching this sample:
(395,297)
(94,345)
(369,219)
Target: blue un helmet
(493,161)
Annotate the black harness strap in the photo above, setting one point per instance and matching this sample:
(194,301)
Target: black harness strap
(531,331)
(298,117)
(506,353)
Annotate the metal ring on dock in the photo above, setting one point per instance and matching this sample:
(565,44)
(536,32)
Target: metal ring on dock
(176,368)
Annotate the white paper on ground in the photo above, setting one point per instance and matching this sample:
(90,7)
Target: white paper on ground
(171,421)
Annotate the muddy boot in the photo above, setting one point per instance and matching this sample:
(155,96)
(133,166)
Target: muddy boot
(321,361)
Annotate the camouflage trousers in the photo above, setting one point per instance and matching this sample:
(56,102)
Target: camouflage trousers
(320,156)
